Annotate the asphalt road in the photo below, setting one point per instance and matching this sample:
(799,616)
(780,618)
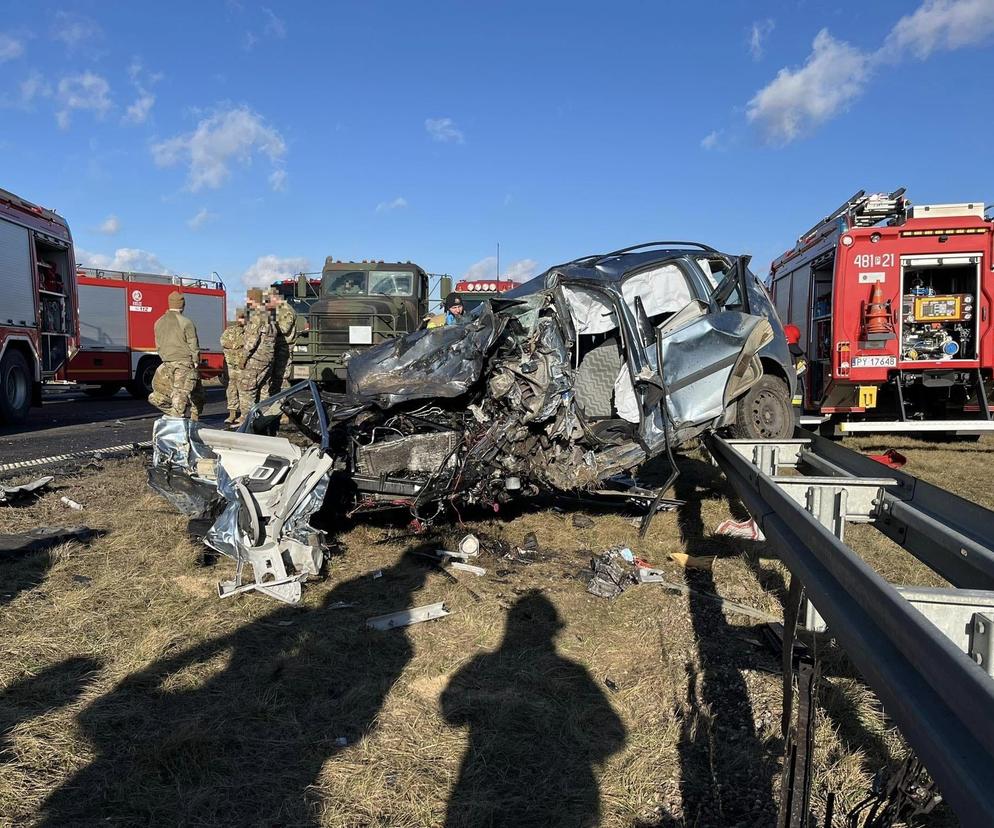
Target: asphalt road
(69,421)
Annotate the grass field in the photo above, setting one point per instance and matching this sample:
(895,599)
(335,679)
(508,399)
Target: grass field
(131,695)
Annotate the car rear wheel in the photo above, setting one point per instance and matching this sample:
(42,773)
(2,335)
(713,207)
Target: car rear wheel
(15,388)
(141,386)
(764,412)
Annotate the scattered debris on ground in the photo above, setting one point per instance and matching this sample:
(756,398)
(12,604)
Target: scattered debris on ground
(25,493)
(405,618)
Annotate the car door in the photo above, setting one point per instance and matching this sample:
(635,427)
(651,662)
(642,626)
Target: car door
(706,357)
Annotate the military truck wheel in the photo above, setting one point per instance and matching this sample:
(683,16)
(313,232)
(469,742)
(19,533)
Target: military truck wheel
(141,386)
(15,388)
(764,412)
(104,391)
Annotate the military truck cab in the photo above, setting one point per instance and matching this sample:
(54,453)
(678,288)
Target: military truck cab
(360,304)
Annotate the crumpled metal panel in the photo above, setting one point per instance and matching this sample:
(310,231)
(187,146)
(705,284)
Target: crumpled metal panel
(176,442)
(441,362)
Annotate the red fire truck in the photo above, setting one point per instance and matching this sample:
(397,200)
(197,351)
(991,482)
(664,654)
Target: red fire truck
(117,314)
(37,302)
(893,303)
(473,292)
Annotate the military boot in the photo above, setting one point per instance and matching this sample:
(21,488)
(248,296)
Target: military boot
(232,416)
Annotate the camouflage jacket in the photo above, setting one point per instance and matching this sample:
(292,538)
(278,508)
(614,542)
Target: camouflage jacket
(233,343)
(259,336)
(176,339)
(286,323)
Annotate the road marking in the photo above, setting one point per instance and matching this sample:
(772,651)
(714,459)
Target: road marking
(76,455)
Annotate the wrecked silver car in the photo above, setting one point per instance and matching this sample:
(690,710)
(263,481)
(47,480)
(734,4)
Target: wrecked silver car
(569,383)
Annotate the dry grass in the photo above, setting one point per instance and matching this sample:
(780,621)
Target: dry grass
(130,694)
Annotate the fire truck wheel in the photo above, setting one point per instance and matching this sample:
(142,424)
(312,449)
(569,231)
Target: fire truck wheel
(15,388)
(104,391)
(141,386)
(764,412)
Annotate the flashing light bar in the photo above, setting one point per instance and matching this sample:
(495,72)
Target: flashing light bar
(951,231)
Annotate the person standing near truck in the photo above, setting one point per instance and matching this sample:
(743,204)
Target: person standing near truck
(176,386)
(257,350)
(286,333)
(233,341)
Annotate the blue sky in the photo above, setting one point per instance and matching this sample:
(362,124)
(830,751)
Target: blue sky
(256,139)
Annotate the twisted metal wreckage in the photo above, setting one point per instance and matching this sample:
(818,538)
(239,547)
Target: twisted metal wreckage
(568,384)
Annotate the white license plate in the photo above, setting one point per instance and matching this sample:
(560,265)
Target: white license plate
(360,335)
(301,372)
(874,362)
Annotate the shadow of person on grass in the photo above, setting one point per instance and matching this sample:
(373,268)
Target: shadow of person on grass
(34,695)
(539,726)
(235,730)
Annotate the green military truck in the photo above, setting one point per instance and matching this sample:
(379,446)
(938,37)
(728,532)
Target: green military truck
(359,304)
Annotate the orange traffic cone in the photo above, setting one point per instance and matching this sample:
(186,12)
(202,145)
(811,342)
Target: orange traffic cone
(877,316)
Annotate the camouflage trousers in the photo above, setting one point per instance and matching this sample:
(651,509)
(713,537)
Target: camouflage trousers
(253,379)
(280,376)
(176,388)
(231,392)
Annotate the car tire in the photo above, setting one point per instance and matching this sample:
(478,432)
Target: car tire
(141,386)
(104,391)
(764,412)
(15,388)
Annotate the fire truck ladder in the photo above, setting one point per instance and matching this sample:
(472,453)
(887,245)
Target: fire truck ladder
(927,653)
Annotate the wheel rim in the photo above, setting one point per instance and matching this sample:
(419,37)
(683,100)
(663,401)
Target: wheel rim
(767,414)
(15,388)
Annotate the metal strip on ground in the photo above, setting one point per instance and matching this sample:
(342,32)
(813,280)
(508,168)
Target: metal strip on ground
(24,465)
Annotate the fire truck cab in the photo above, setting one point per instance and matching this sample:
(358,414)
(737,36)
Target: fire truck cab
(472,292)
(893,303)
(38,328)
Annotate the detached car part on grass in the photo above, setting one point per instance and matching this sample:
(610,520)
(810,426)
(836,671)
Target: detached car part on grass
(263,491)
(564,384)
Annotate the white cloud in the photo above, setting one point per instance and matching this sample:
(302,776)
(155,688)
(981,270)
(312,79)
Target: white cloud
(940,25)
(519,271)
(835,73)
(798,99)
(202,218)
(128,259)
(761,29)
(224,137)
(397,204)
(710,141)
(444,130)
(75,30)
(267,269)
(138,112)
(277,180)
(87,92)
(10,47)
(34,86)
(111,226)
(275,26)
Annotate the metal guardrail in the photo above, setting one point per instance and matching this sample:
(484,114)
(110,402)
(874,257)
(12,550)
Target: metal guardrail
(932,676)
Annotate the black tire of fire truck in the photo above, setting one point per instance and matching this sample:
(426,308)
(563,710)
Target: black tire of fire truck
(223,376)
(104,391)
(15,388)
(764,411)
(141,386)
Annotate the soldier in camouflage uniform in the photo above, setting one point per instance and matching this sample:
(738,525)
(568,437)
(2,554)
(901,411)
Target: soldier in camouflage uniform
(257,349)
(233,341)
(286,334)
(176,385)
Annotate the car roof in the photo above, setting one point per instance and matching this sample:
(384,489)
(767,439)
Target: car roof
(609,268)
